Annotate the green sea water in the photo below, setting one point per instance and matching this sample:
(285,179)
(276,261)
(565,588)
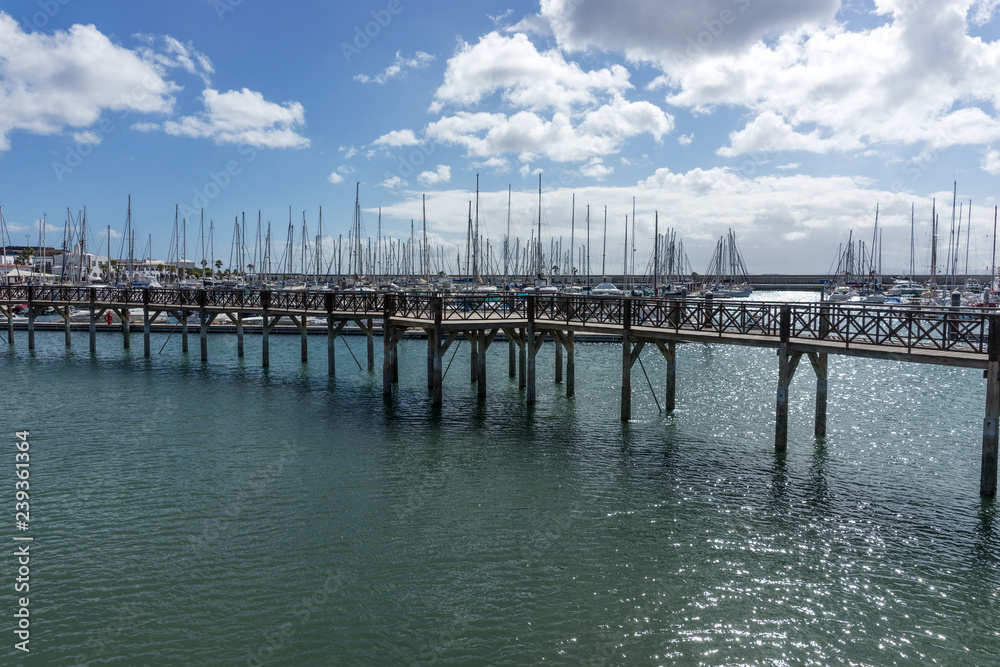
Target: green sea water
(220,513)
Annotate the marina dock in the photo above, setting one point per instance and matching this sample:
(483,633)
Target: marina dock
(950,336)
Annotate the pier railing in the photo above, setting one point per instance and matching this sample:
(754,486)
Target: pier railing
(942,328)
(906,327)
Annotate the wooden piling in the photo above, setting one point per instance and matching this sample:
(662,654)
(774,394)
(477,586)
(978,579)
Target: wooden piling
(126,327)
(522,361)
(146,343)
(473,355)
(819,364)
(265,357)
(10,325)
(437,312)
(203,336)
(265,303)
(481,345)
(784,379)
(371,344)
(511,358)
(988,469)
(570,366)
(67,331)
(529,342)
(626,399)
(669,351)
(331,359)
(239,334)
(387,332)
(184,331)
(304,336)
(788,361)
(430,357)
(93,321)
(559,360)
(31,324)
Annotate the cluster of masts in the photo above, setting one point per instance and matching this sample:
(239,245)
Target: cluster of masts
(859,265)
(304,259)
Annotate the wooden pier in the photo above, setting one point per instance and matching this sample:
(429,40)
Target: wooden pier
(962,337)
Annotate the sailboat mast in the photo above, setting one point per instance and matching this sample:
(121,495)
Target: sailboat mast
(604,249)
(656,253)
(506,241)
(539,258)
(993,262)
(625,282)
(934,231)
(588,246)
(572,238)
(968,236)
(911,243)
(425,258)
(475,239)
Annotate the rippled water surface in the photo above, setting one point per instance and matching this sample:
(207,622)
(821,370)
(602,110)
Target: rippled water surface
(189,513)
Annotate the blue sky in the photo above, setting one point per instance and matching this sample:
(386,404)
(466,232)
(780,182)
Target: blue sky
(787,121)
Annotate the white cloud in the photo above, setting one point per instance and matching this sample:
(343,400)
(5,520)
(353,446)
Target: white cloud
(526,77)
(397,138)
(790,166)
(769,133)
(689,29)
(399,66)
(348,151)
(243,117)
(549,107)
(596,169)
(441,175)
(335,178)
(991,162)
(170,53)
(496,164)
(87,137)
(392,183)
(67,79)
(685,139)
(809,83)
(982,11)
(601,132)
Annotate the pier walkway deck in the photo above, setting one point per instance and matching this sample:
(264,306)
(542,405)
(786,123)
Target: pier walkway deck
(953,336)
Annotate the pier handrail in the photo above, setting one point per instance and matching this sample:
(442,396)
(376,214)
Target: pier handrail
(941,328)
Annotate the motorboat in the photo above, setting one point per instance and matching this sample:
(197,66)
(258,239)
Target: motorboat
(605,289)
